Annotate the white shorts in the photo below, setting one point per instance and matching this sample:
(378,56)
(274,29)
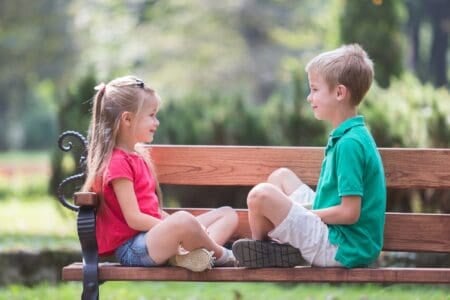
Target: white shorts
(304,230)
(304,196)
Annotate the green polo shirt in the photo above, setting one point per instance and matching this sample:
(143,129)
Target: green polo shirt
(352,167)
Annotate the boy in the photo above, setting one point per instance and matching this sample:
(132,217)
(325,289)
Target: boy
(345,226)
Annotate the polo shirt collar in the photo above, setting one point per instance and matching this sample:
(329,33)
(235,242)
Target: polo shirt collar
(343,128)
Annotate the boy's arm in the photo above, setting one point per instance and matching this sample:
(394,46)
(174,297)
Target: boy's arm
(346,213)
(123,188)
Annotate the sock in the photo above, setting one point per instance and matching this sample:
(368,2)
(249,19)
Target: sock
(226,256)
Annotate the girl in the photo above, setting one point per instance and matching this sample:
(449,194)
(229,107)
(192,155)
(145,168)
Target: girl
(130,221)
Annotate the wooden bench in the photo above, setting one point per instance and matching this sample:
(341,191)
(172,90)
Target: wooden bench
(246,166)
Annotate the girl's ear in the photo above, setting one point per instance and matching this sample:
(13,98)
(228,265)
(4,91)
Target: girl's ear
(126,118)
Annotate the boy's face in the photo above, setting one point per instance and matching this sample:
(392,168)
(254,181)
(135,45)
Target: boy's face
(322,98)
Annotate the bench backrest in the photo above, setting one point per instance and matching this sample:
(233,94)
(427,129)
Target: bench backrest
(405,168)
(241,165)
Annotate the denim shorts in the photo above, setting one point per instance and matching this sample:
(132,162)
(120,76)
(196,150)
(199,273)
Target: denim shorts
(134,252)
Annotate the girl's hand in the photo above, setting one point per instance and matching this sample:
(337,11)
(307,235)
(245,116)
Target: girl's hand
(182,251)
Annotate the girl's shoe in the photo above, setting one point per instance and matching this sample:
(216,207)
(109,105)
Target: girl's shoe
(196,260)
(265,254)
(227,259)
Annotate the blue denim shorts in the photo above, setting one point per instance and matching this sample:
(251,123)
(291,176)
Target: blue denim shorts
(134,252)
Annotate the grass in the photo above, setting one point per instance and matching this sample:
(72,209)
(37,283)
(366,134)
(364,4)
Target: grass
(238,291)
(36,225)
(31,219)
(36,222)
(24,157)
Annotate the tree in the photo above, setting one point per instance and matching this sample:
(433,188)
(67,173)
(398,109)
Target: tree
(376,25)
(428,30)
(35,44)
(439,15)
(73,114)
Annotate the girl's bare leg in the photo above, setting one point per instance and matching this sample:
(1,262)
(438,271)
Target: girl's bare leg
(220,223)
(164,239)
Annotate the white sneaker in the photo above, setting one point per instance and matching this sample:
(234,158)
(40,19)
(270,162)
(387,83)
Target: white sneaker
(196,260)
(227,259)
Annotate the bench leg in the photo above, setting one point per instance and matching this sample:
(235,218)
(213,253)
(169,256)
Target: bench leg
(86,234)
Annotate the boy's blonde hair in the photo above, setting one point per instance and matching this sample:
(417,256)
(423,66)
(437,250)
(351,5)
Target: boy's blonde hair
(348,65)
(123,94)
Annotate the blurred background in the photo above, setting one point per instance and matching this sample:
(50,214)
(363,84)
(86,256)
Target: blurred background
(230,72)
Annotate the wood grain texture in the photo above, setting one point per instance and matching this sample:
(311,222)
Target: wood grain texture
(241,165)
(116,272)
(403,231)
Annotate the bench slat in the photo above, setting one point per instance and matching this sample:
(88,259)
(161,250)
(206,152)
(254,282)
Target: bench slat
(242,165)
(403,231)
(417,232)
(115,272)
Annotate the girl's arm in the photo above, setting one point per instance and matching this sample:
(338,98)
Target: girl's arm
(346,213)
(163,213)
(128,203)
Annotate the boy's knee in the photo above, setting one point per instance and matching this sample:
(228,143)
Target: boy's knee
(258,195)
(277,176)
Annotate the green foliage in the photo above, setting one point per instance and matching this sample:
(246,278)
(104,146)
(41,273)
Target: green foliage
(218,119)
(289,119)
(73,114)
(378,29)
(408,114)
(35,45)
(39,122)
(210,119)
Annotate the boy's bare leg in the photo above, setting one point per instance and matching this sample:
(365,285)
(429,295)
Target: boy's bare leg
(285,179)
(268,206)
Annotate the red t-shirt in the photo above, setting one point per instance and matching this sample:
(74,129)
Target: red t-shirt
(112,230)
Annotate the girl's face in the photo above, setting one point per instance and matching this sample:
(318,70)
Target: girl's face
(323,100)
(146,121)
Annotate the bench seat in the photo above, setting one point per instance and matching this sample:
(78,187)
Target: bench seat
(403,232)
(406,168)
(116,272)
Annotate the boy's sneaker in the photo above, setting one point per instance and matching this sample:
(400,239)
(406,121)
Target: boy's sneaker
(264,254)
(196,260)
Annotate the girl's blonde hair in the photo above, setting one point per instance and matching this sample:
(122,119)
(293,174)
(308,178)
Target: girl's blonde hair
(123,94)
(348,65)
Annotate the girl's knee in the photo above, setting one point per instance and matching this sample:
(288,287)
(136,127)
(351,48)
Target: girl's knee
(229,213)
(185,223)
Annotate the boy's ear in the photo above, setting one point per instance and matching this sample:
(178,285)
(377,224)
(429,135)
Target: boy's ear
(342,92)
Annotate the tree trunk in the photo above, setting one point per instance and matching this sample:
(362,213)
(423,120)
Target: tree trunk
(439,12)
